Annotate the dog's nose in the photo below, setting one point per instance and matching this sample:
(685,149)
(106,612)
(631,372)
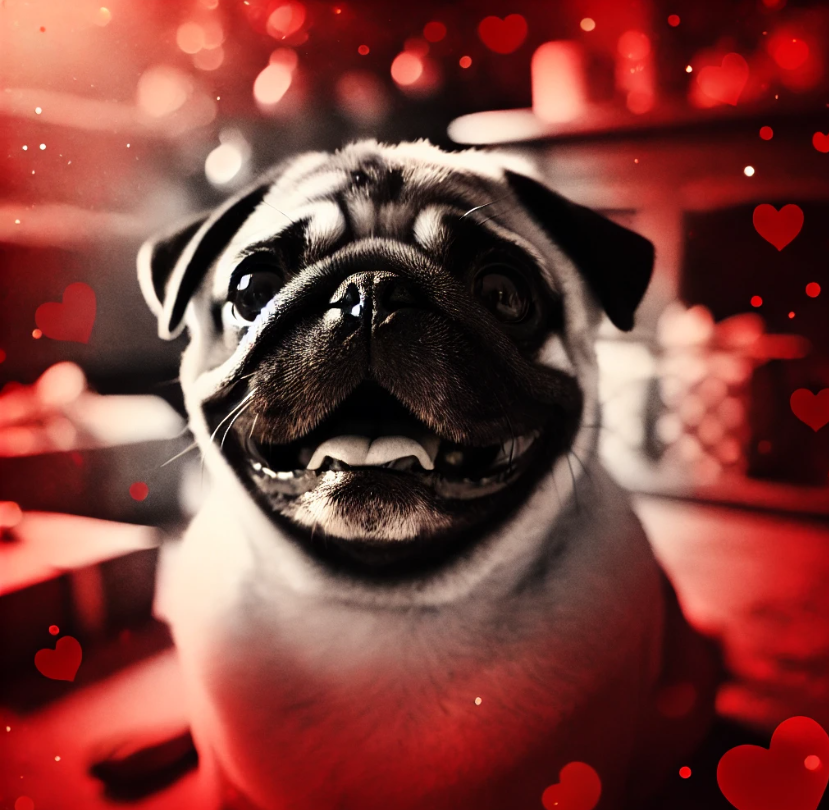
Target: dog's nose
(374,296)
(392,293)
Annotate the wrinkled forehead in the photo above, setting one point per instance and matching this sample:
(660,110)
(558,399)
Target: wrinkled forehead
(407,193)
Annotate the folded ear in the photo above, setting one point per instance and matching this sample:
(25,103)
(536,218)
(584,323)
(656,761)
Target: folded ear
(172,265)
(617,263)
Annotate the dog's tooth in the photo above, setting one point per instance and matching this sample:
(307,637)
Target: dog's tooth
(351,450)
(390,448)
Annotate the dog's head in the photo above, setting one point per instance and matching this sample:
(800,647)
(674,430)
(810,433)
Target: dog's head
(390,346)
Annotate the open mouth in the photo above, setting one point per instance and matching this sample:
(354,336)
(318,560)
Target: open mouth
(372,433)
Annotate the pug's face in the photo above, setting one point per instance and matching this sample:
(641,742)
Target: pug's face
(390,346)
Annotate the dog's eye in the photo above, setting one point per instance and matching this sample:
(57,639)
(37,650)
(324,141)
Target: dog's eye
(251,292)
(504,293)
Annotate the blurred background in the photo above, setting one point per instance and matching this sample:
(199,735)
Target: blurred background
(677,118)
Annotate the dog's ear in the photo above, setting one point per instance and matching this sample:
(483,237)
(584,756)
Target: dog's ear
(617,263)
(172,265)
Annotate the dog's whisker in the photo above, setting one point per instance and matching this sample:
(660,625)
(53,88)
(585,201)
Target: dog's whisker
(179,455)
(575,487)
(581,463)
(253,426)
(232,421)
(479,207)
(279,212)
(232,412)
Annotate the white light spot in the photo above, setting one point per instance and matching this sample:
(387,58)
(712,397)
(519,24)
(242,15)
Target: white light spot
(25,147)
(749,171)
(16,222)
(688,69)
(478,701)
(42,146)
(223,164)
(38,110)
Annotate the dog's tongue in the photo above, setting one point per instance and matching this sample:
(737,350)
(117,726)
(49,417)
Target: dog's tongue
(359,451)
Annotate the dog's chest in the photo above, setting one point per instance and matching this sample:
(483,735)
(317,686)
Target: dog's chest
(280,681)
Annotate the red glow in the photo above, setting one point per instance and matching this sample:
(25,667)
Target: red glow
(434,31)
(685,772)
(24,802)
(363,50)
(37,334)
(139,491)
(558,81)
(813,289)
(54,629)
(465,61)
(286,20)
(673,20)
(766,133)
(791,315)
(756,301)
(271,84)
(634,45)
(821,142)
(812,762)
(2,355)
(790,53)
(406,68)
(190,37)
(10,514)
(417,46)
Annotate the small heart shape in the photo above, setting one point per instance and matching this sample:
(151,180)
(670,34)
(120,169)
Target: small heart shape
(60,664)
(821,142)
(72,319)
(726,82)
(778,227)
(791,773)
(503,36)
(578,788)
(813,409)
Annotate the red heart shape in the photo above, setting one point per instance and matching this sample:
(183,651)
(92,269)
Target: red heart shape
(792,773)
(725,83)
(578,788)
(60,664)
(821,141)
(503,36)
(778,227)
(813,409)
(71,320)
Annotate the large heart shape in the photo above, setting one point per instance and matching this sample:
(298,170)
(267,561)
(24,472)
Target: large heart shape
(813,409)
(821,142)
(60,664)
(578,788)
(503,36)
(725,83)
(792,773)
(71,320)
(778,227)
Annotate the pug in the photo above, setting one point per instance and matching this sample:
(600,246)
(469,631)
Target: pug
(412,584)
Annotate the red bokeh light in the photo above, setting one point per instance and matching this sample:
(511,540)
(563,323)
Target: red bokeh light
(139,491)
(766,133)
(813,289)
(791,314)
(406,68)
(465,61)
(685,772)
(434,31)
(363,50)
(756,301)
(286,20)
(54,629)
(673,20)
(789,52)
(634,45)
(10,514)
(272,83)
